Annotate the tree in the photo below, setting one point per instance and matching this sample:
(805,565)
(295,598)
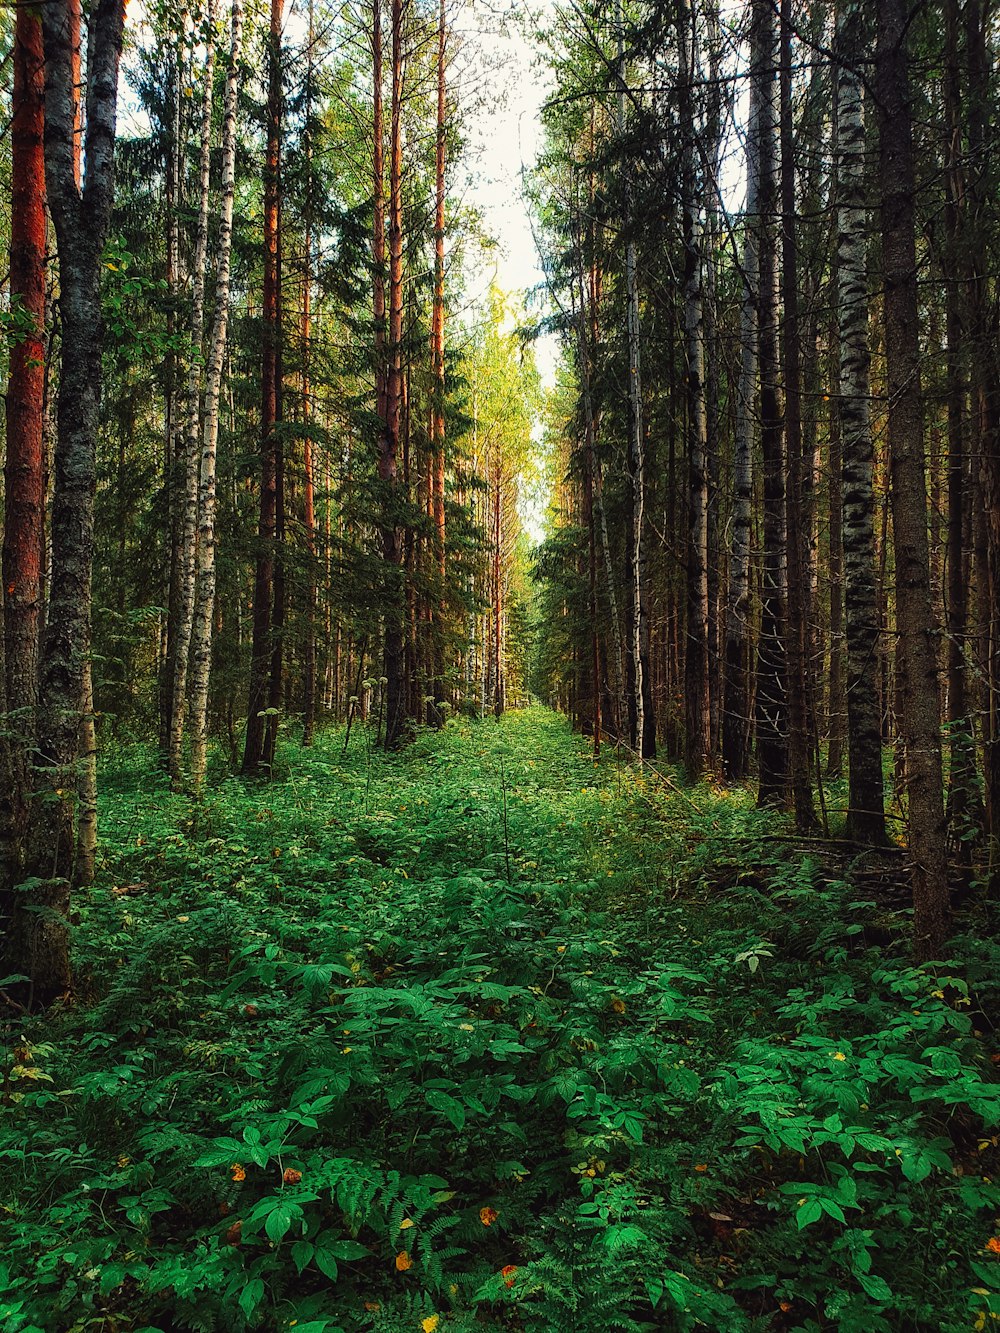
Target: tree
(81,213)
(205,568)
(698,737)
(916,651)
(772,666)
(865,811)
(266,652)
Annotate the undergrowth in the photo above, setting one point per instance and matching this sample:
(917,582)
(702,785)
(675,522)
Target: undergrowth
(487,1035)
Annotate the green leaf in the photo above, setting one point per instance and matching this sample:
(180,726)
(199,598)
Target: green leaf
(251,1296)
(279,1220)
(326,1264)
(876,1288)
(448,1106)
(809,1212)
(347,1250)
(302,1253)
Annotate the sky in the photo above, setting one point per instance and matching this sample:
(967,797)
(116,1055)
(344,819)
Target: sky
(506,86)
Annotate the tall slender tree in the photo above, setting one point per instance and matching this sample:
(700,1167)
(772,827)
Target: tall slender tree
(916,655)
(258,750)
(865,813)
(37,942)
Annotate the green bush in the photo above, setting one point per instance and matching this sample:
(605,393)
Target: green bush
(491,1035)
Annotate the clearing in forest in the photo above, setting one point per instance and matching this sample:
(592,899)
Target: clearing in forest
(487,1034)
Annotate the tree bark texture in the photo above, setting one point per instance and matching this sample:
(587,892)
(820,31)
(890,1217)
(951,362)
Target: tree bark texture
(917,665)
(865,812)
(255,758)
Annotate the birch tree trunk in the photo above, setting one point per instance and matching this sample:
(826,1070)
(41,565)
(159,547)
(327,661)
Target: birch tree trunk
(865,808)
(191,429)
(204,602)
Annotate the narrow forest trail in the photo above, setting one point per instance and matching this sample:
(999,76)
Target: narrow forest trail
(488,1035)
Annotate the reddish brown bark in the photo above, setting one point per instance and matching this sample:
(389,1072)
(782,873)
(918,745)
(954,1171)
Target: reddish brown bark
(389,434)
(24,467)
(437,361)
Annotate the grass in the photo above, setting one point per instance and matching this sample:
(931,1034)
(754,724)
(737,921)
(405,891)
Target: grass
(488,1035)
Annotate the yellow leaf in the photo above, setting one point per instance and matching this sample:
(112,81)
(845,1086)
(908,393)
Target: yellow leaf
(406,1223)
(430,1323)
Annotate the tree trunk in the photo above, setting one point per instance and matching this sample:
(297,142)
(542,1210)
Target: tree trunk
(437,463)
(309,684)
(736,701)
(204,605)
(259,731)
(24,467)
(799,712)
(698,717)
(643,723)
(38,946)
(772,698)
(917,646)
(865,810)
(191,430)
(964,807)
(389,437)
(171,428)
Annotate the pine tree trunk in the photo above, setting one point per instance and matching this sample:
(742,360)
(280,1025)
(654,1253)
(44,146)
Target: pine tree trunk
(24,467)
(643,726)
(736,700)
(389,438)
(309,668)
(865,810)
(985,339)
(437,370)
(964,807)
(698,740)
(171,411)
(917,647)
(39,939)
(258,730)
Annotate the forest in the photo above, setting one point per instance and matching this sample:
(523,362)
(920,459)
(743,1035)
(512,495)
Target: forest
(500,754)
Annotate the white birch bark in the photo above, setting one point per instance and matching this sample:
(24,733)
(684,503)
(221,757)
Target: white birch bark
(191,427)
(204,600)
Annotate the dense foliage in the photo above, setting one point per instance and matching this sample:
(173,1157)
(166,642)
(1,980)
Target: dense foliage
(492,1034)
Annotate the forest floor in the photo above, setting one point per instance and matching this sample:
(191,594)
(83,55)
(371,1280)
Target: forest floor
(491,1035)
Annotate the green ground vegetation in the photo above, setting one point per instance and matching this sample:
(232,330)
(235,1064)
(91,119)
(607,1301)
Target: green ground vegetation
(489,1035)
